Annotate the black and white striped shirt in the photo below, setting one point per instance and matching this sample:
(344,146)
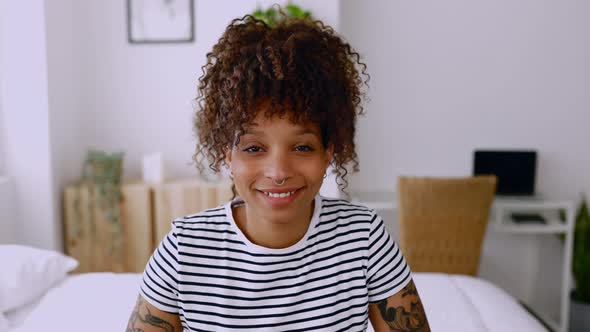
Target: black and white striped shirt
(215,279)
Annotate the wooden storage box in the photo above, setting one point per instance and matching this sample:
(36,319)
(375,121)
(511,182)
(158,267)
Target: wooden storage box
(183,197)
(89,235)
(147,212)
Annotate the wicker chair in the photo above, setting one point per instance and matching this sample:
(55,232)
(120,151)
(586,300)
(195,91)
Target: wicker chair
(443,222)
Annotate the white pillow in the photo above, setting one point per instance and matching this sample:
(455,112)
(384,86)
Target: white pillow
(26,273)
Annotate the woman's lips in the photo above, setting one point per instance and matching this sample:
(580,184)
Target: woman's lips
(280,201)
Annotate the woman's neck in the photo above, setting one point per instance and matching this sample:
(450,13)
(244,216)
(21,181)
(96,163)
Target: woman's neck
(272,234)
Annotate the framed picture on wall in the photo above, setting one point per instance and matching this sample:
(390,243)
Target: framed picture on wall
(160,21)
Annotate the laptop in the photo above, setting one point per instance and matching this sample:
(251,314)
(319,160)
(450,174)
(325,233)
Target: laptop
(516,170)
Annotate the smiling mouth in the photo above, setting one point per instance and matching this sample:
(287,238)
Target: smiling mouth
(282,198)
(279,195)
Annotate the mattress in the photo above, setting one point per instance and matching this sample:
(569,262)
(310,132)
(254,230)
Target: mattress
(104,301)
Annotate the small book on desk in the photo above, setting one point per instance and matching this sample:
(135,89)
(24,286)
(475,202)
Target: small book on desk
(527,218)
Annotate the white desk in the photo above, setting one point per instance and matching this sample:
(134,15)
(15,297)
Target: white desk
(500,217)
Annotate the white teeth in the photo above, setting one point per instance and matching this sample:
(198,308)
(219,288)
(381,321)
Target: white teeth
(281,195)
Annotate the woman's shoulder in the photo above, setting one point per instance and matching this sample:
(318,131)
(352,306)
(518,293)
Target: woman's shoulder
(330,202)
(215,212)
(342,208)
(340,218)
(212,217)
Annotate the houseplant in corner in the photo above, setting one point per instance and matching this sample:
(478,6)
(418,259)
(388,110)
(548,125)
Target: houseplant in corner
(97,208)
(271,15)
(580,305)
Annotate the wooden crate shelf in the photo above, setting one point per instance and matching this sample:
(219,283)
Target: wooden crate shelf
(146,214)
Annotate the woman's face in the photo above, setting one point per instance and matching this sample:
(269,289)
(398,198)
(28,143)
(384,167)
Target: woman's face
(275,149)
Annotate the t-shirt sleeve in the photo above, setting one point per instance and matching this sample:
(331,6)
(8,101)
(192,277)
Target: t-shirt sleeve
(159,284)
(387,270)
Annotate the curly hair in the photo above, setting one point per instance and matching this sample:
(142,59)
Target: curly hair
(300,66)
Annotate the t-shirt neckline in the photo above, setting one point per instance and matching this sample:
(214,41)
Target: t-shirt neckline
(261,249)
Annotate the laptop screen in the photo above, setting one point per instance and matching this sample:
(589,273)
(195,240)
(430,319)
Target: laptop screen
(515,170)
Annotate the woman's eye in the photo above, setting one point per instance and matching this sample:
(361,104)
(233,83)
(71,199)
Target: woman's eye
(303,148)
(252,149)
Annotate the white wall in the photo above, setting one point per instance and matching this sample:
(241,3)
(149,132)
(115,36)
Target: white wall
(139,98)
(453,76)
(1,80)
(25,130)
(71,82)
(1,121)
(66,133)
(449,77)
(7,212)
(7,226)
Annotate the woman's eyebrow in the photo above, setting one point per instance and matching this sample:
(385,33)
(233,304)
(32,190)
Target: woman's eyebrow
(298,132)
(304,131)
(254,132)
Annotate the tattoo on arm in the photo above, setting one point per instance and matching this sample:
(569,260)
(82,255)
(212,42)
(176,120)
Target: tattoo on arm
(401,320)
(141,316)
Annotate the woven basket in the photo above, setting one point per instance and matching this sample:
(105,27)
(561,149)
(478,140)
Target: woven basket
(443,221)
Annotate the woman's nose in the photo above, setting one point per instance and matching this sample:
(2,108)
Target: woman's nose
(278,166)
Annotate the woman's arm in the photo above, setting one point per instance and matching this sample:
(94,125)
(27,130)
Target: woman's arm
(147,318)
(402,311)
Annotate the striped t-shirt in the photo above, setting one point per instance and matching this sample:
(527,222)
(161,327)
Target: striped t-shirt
(215,279)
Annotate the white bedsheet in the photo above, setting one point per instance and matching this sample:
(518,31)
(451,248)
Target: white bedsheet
(85,302)
(103,302)
(463,303)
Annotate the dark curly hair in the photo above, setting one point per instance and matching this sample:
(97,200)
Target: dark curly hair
(300,66)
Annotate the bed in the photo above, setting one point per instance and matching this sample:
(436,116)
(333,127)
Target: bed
(103,302)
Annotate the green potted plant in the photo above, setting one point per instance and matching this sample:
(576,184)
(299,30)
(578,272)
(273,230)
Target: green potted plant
(101,178)
(271,16)
(580,298)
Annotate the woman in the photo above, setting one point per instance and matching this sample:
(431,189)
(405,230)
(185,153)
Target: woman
(277,107)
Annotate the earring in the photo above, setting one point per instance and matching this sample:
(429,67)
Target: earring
(325,175)
(231,175)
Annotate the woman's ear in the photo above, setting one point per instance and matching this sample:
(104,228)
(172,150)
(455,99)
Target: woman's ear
(228,156)
(329,154)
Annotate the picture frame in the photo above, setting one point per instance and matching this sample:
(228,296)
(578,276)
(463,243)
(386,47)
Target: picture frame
(160,21)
